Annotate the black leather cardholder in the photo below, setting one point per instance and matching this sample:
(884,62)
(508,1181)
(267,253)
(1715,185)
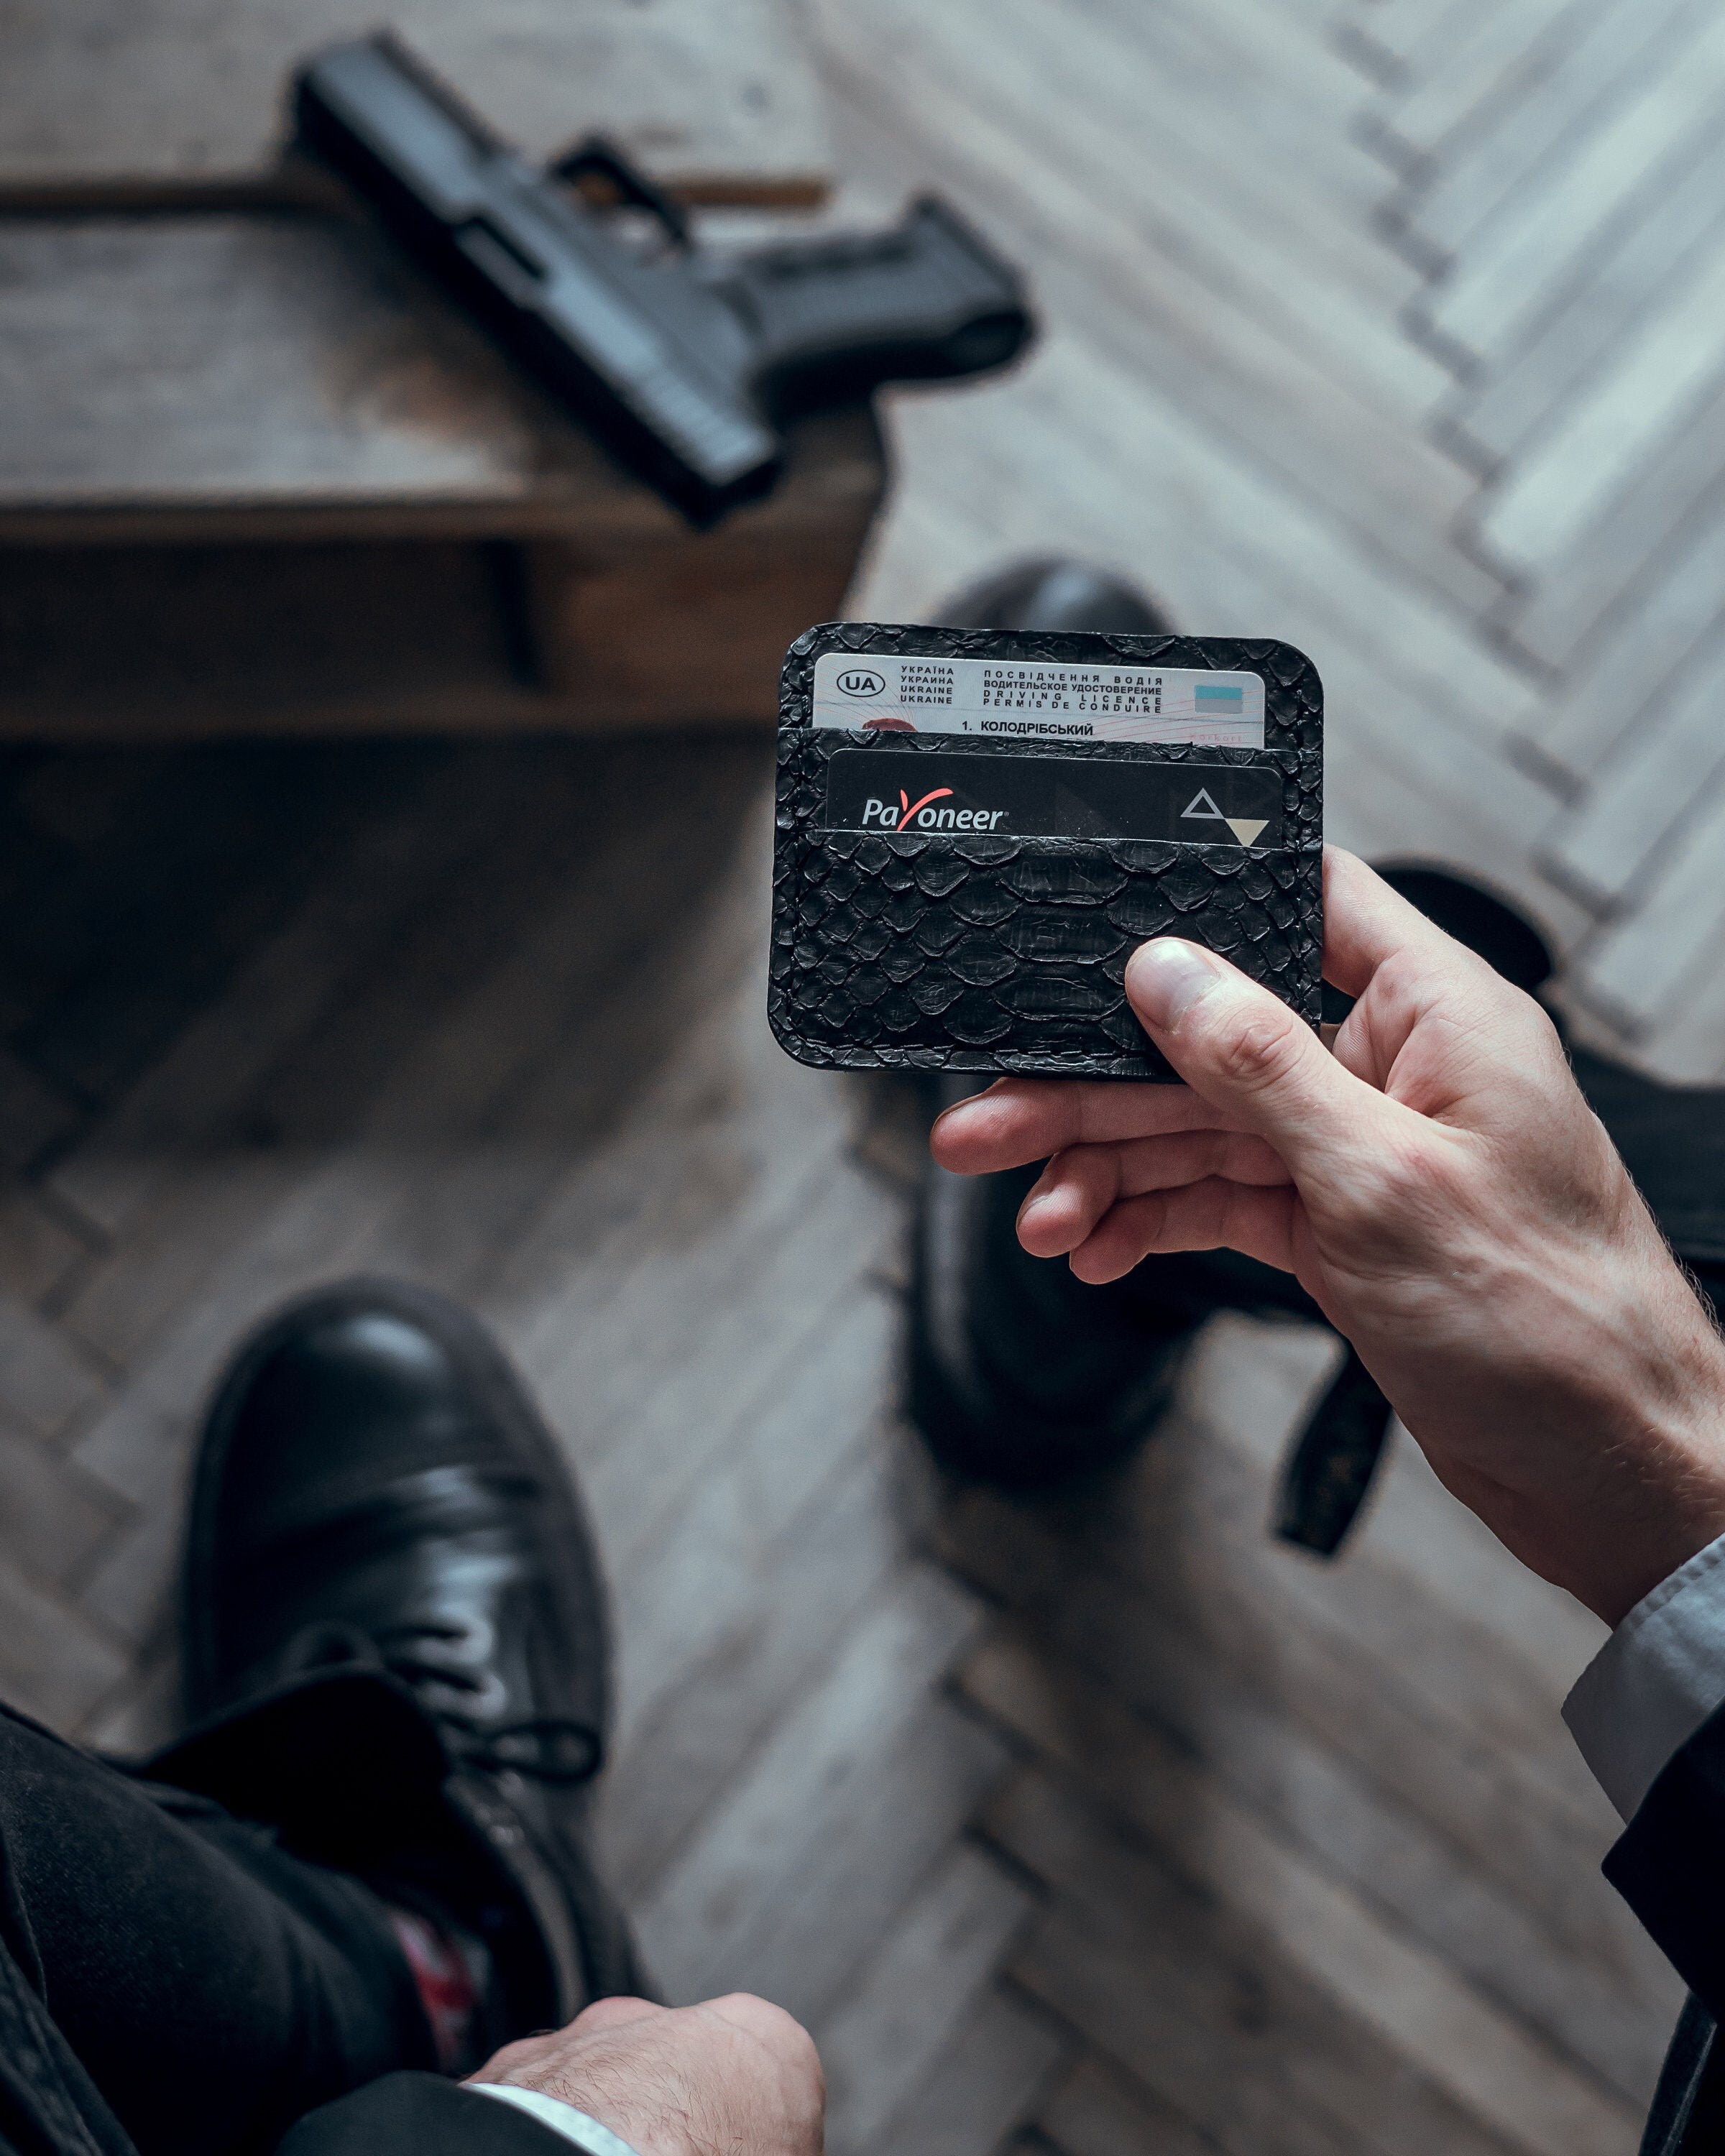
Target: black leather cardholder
(975,828)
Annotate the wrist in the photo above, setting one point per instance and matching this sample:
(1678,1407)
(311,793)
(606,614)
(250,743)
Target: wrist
(1673,1452)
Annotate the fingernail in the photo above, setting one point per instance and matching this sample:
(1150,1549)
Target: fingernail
(1165,978)
(969,1101)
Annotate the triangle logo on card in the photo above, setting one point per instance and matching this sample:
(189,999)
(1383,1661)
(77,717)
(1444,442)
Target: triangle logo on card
(1246,829)
(1201,805)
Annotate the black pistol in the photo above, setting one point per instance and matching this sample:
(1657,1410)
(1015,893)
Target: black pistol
(685,362)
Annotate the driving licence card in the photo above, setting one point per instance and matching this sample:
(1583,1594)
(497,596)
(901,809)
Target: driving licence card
(998,699)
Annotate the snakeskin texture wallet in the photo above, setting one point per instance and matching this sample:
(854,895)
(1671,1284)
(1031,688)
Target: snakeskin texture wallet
(975,826)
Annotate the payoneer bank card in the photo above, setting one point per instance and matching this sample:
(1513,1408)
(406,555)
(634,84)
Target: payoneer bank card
(1052,796)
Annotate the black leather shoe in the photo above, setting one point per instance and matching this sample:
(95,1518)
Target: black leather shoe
(395,1630)
(1056,596)
(1020,1374)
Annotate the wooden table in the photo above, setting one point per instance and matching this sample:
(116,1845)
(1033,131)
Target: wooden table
(256,475)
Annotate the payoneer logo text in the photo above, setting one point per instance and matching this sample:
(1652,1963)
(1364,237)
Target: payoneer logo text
(901,815)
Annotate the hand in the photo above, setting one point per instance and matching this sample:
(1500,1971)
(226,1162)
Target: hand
(731,2074)
(1440,1188)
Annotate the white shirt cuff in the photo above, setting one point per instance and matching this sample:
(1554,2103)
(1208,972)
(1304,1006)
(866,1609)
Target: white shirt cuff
(561,2117)
(1660,1676)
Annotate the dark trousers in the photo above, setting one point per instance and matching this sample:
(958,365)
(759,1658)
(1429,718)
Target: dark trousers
(171,1981)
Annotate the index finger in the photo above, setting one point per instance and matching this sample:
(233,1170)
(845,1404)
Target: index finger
(1366,921)
(1019,1120)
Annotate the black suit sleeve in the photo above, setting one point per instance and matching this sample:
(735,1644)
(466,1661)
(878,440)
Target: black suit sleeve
(1669,1864)
(420,2115)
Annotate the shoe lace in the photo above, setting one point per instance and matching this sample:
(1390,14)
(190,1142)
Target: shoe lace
(449,1669)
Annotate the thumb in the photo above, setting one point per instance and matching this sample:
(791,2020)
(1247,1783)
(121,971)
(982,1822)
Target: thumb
(1242,1050)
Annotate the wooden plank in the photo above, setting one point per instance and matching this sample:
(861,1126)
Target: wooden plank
(1096,2112)
(44,1246)
(1648,400)
(886,1828)
(1657,974)
(665,1169)
(1451,2024)
(501,876)
(129,1595)
(1651,515)
(1240,1381)
(641,1384)
(35,1115)
(359,1210)
(183,377)
(1211,1650)
(338,1219)
(55,1663)
(1207,235)
(45,1383)
(1472,92)
(676,1227)
(55,1518)
(692,1740)
(177,1207)
(1644,790)
(1672,228)
(686,1156)
(755,1338)
(694,1578)
(1378,1606)
(120,944)
(140,1712)
(1426,35)
(1562,1975)
(1222,373)
(1414,33)
(721,1916)
(434,834)
(987,2081)
(1267,43)
(905,2007)
(1637,668)
(451,1013)
(1201,2004)
(1518,1833)
(1289,88)
(1528,250)
(346,1213)
(1578,84)
(712,94)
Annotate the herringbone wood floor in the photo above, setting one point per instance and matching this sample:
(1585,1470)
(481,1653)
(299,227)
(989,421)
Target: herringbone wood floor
(1106,1827)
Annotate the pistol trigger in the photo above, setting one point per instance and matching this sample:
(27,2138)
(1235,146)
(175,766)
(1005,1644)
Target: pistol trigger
(593,154)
